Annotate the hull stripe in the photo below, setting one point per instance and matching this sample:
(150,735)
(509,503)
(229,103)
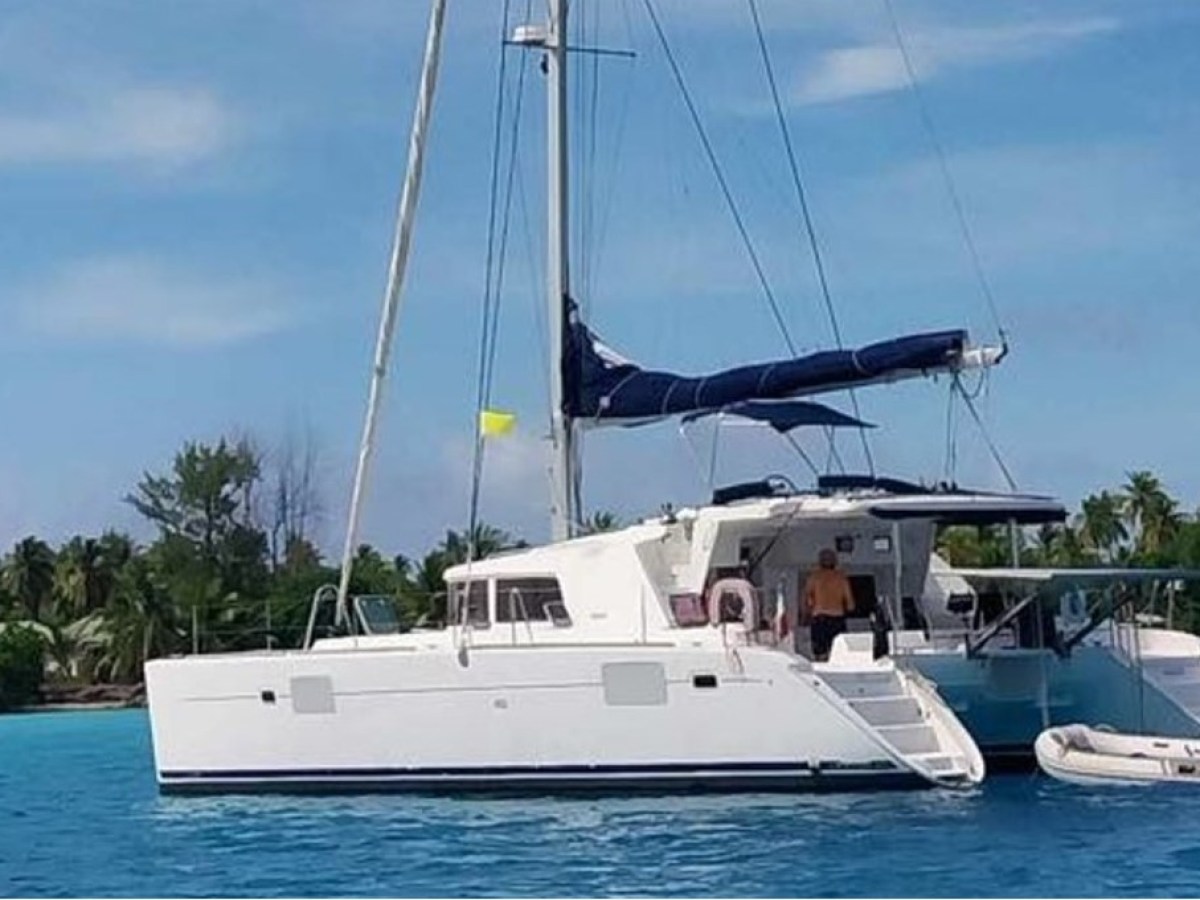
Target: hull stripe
(660,777)
(635,769)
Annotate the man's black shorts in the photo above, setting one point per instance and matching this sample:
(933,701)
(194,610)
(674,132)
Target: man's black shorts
(824,630)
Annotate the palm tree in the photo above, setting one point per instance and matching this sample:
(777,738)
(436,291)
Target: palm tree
(140,624)
(1151,511)
(116,549)
(1059,546)
(1162,526)
(82,578)
(959,545)
(427,587)
(973,546)
(483,539)
(63,652)
(1100,525)
(28,576)
(1142,491)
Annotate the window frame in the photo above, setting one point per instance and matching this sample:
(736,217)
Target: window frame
(475,603)
(536,612)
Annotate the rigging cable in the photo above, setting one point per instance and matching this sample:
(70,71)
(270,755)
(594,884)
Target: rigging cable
(944,165)
(587,100)
(493,267)
(713,162)
(506,222)
(950,466)
(537,280)
(814,246)
(600,226)
(969,402)
(790,438)
(963,227)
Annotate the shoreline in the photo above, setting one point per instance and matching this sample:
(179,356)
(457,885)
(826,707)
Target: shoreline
(76,698)
(78,706)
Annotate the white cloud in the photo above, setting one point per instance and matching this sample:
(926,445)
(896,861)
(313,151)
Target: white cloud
(877,68)
(852,72)
(141,300)
(158,126)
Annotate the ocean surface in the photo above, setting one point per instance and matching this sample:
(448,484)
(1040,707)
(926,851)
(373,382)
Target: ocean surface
(80,814)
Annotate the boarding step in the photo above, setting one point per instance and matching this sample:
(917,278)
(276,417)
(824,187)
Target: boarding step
(897,710)
(941,764)
(855,683)
(907,739)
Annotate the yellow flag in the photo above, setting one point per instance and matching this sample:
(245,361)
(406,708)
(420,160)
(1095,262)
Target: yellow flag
(493,423)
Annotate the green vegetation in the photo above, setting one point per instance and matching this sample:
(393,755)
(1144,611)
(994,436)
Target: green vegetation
(233,567)
(21,653)
(1140,524)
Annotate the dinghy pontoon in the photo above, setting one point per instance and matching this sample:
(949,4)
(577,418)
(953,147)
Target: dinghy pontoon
(1083,755)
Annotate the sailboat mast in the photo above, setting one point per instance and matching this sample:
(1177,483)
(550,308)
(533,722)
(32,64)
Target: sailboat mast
(562,499)
(392,295)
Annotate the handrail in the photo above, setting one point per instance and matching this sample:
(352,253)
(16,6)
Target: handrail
(974,646)
(517,599)
(321,595)
(1095,620)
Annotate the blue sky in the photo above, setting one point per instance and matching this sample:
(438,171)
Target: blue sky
(198,203)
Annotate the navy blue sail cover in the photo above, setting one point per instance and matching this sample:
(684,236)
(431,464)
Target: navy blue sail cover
(785,415)
(599,385)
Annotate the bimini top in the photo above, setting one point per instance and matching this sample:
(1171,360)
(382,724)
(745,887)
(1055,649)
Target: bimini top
(1075,576)
(784,415)
(971,509)
(893,499)
(601,387)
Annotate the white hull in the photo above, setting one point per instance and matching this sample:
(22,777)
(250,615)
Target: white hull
(1081,755)
(514,718)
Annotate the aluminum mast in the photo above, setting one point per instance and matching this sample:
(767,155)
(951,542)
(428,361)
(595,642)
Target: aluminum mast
(558,285)
(392,295)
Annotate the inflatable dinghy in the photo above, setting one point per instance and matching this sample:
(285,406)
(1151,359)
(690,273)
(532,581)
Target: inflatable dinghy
(1084,755)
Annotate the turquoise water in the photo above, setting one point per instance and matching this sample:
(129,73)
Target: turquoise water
(79,814)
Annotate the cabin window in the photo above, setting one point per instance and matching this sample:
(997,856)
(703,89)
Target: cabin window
(475,595)
(377,615)
(530,600)
(559,617)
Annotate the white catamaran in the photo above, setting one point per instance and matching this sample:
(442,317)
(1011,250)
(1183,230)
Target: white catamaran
(1015,650)
(649,657)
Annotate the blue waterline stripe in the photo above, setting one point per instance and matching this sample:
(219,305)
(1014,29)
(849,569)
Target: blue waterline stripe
(646,769)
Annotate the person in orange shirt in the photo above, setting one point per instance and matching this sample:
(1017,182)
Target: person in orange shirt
(827,601)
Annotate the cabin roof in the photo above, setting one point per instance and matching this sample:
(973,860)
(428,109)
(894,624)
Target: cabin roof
(940,507)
